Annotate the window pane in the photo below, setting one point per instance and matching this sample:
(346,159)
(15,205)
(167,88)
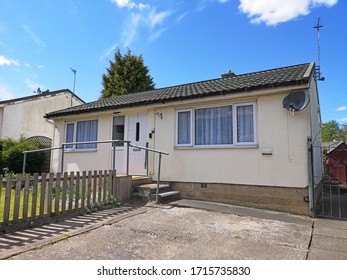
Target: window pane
(245,125)
(87,131)
(137,137)
(69,134)
(118,130)
(183,128)
(213,126)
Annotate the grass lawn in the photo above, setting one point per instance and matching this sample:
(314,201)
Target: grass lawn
(2,204)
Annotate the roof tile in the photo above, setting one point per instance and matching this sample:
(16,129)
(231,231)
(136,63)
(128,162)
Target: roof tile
(246,82)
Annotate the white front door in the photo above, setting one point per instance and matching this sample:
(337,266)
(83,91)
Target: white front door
(138,135)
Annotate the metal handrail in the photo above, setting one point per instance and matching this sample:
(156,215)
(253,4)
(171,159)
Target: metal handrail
(159,165)
(62,147)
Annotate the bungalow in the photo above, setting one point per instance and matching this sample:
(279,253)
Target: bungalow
(238,139)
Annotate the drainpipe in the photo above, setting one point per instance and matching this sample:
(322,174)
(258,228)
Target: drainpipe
(310,175)
(24,163)
(62,159)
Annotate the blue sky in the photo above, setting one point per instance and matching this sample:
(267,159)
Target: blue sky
(181,42)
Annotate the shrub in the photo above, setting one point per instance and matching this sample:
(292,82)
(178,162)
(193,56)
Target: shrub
(11,155)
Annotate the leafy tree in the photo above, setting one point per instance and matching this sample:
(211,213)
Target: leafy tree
(332,131)
(11,155)
(127,74)
(345,132)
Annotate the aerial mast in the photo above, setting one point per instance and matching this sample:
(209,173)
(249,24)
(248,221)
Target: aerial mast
(318,73)
(74,78)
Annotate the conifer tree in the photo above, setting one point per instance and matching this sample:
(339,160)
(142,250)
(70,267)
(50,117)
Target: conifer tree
(126,74)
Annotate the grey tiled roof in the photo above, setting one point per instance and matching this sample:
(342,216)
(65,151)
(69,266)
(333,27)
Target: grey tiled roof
(291,75)
(37,96)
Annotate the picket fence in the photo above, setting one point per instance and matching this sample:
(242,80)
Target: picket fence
(30,201)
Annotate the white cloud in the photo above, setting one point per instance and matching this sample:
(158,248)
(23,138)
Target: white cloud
(156,35)
(149,21)
(105,54)
(341,108)
(155,18)
(33,86)
(181,16)
(343,120)
(204,3)
(37,40)
(272,12)
(130,4)
(8,61)
(5,93)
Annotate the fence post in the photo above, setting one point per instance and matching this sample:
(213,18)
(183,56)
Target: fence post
(7,204)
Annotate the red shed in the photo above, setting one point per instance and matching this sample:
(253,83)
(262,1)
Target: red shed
(337,163)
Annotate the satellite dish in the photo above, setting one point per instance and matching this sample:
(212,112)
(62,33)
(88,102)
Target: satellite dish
(296,101)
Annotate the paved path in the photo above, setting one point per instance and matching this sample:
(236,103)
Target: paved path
(328,238)
(185,229)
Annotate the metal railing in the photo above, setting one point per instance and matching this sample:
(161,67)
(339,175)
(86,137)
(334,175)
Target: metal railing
(159,165)
(128,143)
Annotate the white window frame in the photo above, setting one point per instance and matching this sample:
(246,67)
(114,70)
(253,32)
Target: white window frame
(234,122)
(191,128)
(255,140)
(120,147)
(74,148)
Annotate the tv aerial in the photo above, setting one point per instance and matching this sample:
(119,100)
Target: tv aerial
(74,71)
(296,101)
(318,73)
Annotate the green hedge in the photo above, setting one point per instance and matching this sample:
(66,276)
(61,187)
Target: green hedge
(11,156)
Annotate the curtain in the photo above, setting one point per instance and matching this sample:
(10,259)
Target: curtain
(69,134)
(245,125)
(213,126)
(183,128)
(87,131)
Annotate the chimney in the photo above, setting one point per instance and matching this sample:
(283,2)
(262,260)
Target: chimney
(229,74)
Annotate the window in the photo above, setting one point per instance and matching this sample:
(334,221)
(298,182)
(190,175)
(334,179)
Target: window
(245,124)
(70,127)
(137,137)
(118,130)
(83,131)
(184,128)
(216,126)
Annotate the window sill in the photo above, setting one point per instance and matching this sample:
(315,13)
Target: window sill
(249,146)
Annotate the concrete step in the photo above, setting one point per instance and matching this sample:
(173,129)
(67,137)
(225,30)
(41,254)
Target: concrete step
(140,180)
(148,189)
(171,193)
(165,196)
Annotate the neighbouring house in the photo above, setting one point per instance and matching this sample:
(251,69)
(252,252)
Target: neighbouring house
(229,140)
(25,116)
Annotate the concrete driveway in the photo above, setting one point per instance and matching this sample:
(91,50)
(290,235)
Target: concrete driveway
(199,230)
